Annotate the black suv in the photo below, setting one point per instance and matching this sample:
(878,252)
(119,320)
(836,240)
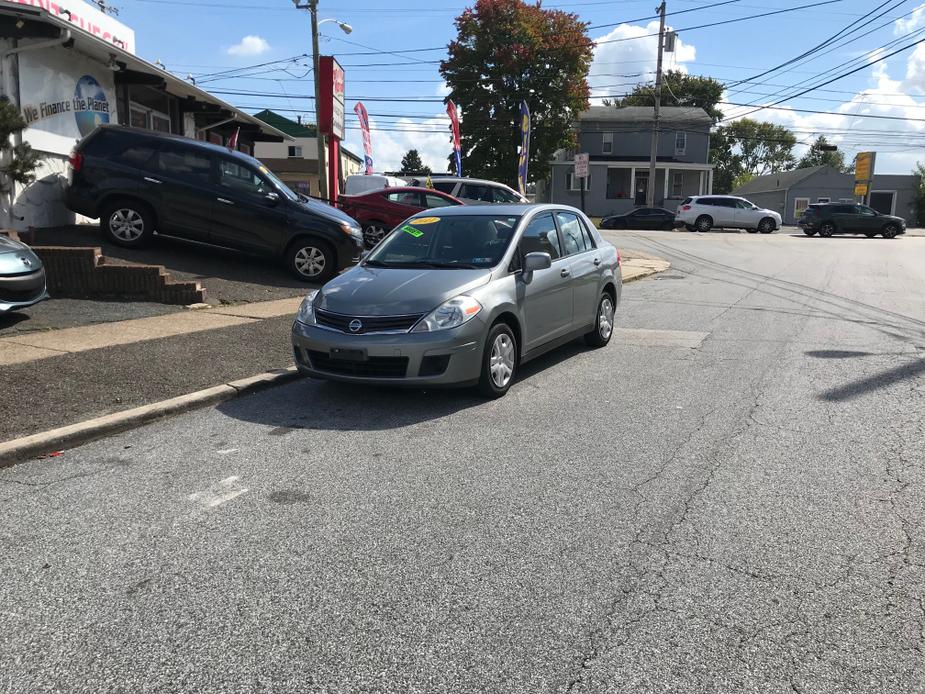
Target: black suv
(138,182)
(827,218)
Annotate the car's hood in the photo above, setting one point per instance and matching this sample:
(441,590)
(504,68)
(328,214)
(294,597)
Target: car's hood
(325,210)
(765,210)
(375,291)
(17,258)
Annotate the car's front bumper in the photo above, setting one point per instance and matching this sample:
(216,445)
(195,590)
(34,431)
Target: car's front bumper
(441,358)
(22,291)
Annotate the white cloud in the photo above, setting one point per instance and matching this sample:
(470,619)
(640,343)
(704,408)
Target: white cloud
(250,45)
(914,21)
(390,146)
(620,64)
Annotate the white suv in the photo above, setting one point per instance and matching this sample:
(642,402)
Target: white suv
(474,191)
(703,212)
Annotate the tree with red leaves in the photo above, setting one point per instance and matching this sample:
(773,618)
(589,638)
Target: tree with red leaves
(507,51)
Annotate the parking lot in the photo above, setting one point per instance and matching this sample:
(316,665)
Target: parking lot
(723,499)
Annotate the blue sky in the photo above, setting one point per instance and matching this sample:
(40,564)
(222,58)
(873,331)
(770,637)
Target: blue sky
(219,35)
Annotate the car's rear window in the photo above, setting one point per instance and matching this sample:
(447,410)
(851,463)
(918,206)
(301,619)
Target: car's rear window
(445,186)
(454,241)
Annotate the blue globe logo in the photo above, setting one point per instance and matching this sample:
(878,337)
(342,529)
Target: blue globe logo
(91,105)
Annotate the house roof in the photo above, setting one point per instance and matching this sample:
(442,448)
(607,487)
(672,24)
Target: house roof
(296,129)
(636,114)
(784,180)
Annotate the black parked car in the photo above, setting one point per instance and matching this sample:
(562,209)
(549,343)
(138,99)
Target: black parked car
(827,218)
(641,218)
(139,182)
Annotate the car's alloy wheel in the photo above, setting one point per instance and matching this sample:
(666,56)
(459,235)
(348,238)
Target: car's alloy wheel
(373,233)
(826,230)
(765,226)
(604,324)
(311,260)
(890,231)
(499,361)
(126,224)
(704,223)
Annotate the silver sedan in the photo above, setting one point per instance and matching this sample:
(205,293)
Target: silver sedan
(22,276)
(463,296)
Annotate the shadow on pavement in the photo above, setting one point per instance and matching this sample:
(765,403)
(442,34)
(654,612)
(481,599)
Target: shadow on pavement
(883,379)
(329,405)
(837,354)
(8,320)
(227,275)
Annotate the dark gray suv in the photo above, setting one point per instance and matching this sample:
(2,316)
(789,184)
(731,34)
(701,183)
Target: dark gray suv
(139,182)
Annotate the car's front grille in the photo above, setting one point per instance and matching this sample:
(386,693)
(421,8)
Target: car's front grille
(373,367)
(366,324)
(19,295)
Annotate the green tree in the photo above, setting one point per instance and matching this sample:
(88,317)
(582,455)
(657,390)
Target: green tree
(727,164)
(678,89)
(816,156)
(411,164)
(23,160)
(507,51)
(762,147)
(919,171)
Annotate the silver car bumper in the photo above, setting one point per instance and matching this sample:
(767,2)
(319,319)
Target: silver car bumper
(443,358)
(22,291)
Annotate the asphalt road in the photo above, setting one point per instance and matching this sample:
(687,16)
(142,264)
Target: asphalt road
(728,498)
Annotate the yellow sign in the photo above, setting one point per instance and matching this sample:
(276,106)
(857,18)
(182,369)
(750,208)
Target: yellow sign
(424,220)
(864,166)
(860,189)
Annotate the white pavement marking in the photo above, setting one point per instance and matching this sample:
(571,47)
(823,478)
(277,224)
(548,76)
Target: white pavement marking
(226,490)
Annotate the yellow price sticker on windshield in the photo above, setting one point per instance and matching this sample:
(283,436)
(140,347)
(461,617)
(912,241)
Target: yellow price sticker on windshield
(425,220)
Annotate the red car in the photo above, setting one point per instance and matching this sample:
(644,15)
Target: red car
(382,210)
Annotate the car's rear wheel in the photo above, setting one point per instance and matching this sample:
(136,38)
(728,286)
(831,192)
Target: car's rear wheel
(826,230)
(766,225)
(127,223)
(890,231)
(311,260)
(603,324)
(499,361)
(374,232)
(704,223)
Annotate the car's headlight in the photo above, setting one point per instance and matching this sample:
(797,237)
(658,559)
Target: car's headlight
(449,314)
(351,229)
(306,312)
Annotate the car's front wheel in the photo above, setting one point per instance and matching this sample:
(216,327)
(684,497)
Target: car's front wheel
(826,230)
(499,361)
(127,223)
(766,225)
(311,260)
(373,233)
(603,325)
(890,231)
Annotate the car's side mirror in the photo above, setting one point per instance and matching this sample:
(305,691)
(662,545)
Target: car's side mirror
(272,198)
(536,261)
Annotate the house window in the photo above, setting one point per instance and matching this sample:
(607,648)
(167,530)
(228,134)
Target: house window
(295,152)
(143,117)
(823,199)
(680,142)
(160,123)
(677,184)
(800,205)
(573,183)
(607,147)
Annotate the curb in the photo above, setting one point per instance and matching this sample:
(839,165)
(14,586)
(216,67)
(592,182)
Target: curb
(17,450)
(647,272)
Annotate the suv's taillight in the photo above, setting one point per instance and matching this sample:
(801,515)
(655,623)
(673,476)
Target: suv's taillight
(76,160)
(685,208)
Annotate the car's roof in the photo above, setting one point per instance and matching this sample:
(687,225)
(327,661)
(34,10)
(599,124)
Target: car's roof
(170,137)
(468,180)
(494,209)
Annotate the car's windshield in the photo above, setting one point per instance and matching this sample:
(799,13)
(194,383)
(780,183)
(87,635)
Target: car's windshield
(469,241)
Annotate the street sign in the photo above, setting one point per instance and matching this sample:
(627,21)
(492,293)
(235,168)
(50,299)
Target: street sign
(581,165)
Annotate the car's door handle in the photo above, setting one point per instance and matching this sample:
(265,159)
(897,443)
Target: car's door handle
(152,180)
(597,261)
(565,272)
(226,202)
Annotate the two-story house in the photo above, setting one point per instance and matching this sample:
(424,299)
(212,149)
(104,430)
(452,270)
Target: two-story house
(618,142)
(295,162)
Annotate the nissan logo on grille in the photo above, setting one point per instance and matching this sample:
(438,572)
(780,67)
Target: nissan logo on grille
(356,325)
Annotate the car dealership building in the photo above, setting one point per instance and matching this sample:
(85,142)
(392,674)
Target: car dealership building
(70,67)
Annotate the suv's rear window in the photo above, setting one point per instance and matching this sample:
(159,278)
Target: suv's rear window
(445,186)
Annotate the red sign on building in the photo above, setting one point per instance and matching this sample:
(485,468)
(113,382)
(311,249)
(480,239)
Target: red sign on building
(331,90)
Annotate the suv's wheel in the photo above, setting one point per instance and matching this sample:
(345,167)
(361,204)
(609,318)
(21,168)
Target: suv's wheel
(766,225)
(127,223)
(827,229)
(603,326)
(704,223)
(374,232)
(890,231)
(311,260)
(499,361)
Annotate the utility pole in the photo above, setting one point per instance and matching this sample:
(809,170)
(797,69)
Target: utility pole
(319,137)
(653,156)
